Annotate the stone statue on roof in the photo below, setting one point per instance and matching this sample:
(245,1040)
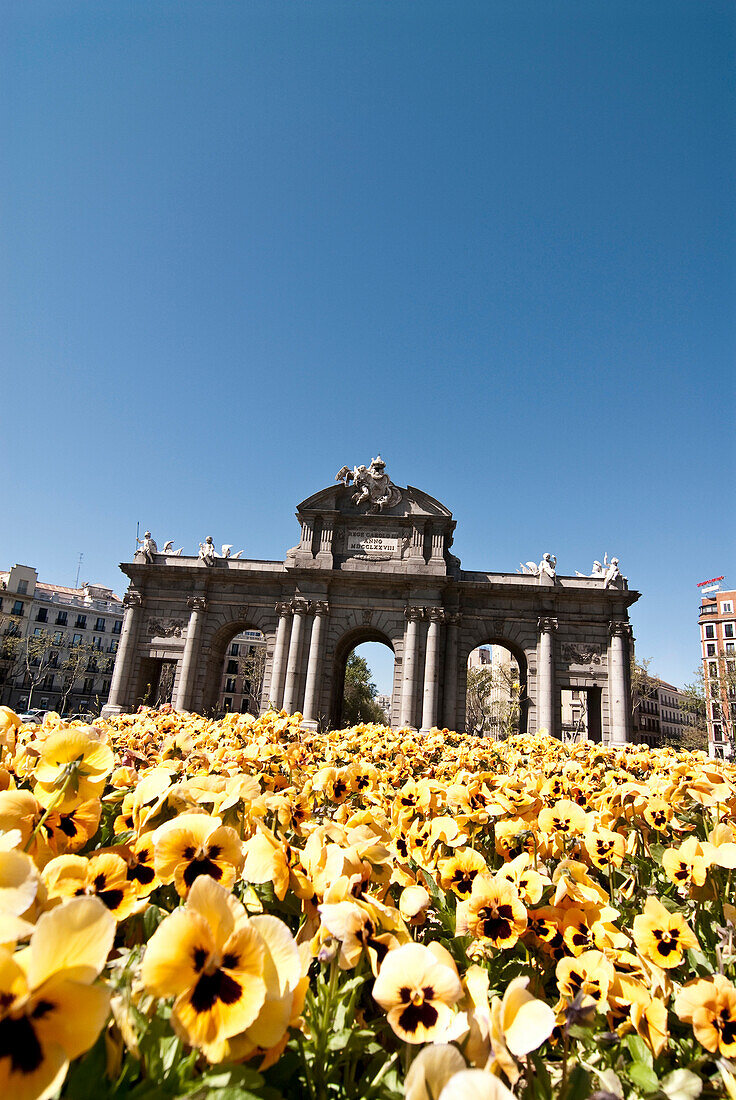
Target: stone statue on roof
(372,484)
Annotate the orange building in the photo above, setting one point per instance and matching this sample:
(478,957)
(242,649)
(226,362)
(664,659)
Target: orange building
(718,649)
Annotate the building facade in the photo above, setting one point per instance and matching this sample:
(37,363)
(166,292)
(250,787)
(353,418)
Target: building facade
(374,563)
(660,715)
(58,644)
(717,623)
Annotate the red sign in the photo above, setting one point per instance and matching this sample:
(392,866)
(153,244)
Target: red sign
(711,581)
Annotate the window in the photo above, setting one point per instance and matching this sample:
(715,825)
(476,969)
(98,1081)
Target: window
(713,670)
(22,587)
(61,618)
(77,639)
(38,631)
(232,666)
(710,649)
(57,637)
(230,684)
(88,685)
(54,660)
(728,630)
(710,630)
(18,607)
(97,643)
(113,646)
(234,649)
(726,607)
(81,621)
(117,626)
(100,624)
(576,694)
(228,704)
(42,615)
(730,647)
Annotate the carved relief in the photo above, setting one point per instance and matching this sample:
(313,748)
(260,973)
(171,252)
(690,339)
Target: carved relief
(591,654)
(373,486)
(132,599)
(546,625)
(170,628)
(367,617)
(197,603)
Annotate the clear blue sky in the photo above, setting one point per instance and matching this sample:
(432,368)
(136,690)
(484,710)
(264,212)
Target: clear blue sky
(243,243)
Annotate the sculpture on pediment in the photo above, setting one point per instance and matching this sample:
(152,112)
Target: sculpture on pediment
(372,484)
(606,571)
(148,546)
(207,552)
(546,568)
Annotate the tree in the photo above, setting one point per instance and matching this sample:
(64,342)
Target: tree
(643,685)
(252,668)
(80,658)
(359,700)
(493,705)
(692,703)
(34,660)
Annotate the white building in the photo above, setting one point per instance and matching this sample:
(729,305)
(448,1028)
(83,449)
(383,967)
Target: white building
(78,631)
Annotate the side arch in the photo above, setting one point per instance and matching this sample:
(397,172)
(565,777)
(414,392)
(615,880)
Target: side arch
(519,645)
(223,624)
(342,650)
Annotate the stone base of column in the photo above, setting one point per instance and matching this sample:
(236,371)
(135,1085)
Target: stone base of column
(110,710)
(310,724)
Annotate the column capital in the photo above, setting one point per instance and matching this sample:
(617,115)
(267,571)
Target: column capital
(453,618)
(320,607)
(546,625)
(132,599)
(282,608)
(436,614)
(300,606)
(413,614)
(620,628)
(197,603)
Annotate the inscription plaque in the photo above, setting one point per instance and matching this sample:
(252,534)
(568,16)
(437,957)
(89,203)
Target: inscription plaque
(364,540)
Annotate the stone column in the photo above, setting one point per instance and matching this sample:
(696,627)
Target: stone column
(618,683)
(546,697)
(300,607)
(276,688)
(436,616)
(416,550)
(409,672)
(453,622)
(324,553)
(125,657)
(307,536)
(314,666)
(197,606)
(438,546)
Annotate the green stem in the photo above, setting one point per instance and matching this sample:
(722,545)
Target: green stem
(49,809)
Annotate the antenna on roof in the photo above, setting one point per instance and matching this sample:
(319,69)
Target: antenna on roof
(79,566)
(137,540)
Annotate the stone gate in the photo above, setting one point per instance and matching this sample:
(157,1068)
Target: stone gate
(374,563)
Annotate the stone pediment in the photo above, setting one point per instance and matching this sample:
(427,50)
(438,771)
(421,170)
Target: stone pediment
(339,498)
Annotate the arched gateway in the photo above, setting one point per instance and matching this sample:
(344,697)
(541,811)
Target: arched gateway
(374,564)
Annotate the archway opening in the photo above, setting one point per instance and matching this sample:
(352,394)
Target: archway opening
(242,672)
(364,681)
(496,700)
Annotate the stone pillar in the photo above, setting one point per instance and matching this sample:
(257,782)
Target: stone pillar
(436,616)
(197,606)
(546,692)
(314,666)
(453,622)
(276,688)
(409,669)
(300,607)
(619,709)
(305,543)
(125,657)
(438,546)
(416,550)
(324,553)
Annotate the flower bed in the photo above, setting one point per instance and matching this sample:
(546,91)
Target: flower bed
(245,909)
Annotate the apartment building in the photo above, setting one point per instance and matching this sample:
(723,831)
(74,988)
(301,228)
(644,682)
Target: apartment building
(57,644)
(717,624)
(660,715)
(242,673)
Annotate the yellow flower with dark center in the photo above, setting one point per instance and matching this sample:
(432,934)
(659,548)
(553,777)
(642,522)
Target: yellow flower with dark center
(658,813)
(196,844)
(50,1012)
(605,848)
(565,817)
(709,1004)
(687,865)
(661,936)
(72,769)
(589,976)
(104,876)
(418,988)
(529,882)
(459,871)
(69,832)
(208,956)
(495,911)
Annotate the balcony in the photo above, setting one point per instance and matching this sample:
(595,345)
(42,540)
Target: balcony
(709,609)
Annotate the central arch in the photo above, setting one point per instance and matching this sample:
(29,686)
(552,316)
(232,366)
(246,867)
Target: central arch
(350,641)
(519,656)
(219,646)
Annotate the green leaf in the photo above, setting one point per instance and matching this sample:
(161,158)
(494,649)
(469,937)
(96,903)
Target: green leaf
(644,1076)
(639,1050)
(578,1085)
